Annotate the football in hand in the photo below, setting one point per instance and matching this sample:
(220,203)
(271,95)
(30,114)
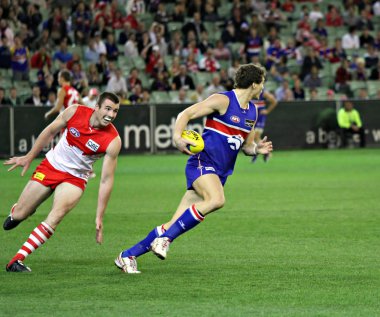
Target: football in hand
(196,138)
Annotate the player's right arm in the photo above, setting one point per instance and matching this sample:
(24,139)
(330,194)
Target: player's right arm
(58,105)
(43,139)
(214,103)
(271,102)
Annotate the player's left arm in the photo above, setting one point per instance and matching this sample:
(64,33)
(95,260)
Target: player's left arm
(106,184)
(251,148)
(271,102)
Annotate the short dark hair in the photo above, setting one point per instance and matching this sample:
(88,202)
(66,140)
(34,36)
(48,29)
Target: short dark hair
(107,95)
(65,74)
(248,74)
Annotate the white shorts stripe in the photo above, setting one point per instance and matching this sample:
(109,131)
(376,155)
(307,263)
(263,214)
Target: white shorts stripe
(40,234)
(29,246)
(35,240)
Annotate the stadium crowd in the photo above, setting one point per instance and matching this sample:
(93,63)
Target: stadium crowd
(182,51)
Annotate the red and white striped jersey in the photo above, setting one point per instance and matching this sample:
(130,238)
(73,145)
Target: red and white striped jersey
(81,145)
(71,97)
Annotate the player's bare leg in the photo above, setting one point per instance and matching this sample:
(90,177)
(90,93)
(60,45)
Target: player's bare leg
(211,190)
(31,197)
(65,198)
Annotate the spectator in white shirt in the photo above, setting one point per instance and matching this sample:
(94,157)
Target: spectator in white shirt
(315,13)
(100,47)
(215,86)
(351,39)
(117,83)
(91,98)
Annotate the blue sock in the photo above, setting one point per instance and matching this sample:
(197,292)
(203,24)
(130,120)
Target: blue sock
(188,220)
(144,245)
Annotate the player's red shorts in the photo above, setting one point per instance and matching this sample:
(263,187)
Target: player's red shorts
(48,176)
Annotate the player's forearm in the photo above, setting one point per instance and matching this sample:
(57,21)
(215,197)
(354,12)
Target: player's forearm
(180,124)
(105,190)
(250,149)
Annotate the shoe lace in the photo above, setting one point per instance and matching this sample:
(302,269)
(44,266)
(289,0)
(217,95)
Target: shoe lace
(132,263)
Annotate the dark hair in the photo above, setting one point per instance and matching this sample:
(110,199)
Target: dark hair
(107,95)
(248,74)
(65,74)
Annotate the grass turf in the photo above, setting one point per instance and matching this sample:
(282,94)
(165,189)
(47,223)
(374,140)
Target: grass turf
(298,236)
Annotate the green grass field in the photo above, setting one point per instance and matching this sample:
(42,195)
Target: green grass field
(299,236)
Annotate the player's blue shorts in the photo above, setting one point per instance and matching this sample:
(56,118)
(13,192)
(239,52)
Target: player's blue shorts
(196,167)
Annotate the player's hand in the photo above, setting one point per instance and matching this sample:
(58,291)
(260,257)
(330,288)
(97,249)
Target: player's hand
(99,231)
(46,115)
(181,144)
(264,146)
(17,161)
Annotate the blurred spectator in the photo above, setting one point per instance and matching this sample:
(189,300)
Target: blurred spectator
(40,59)
(363,94)
(111,47)
(192,48)
(214,86)
(315,13)
(197,95)
(145,96)
(81,23)
(351,17)
(210,14)
(179,12)
(205,43)
(137,94)
(319,29)
(337,52)
(181,97)
(130,47)
(221,52)
(183,80)
(118,20)
(313,94)
(132,19)
(350,123)
(176,44)
(226,81)
(62,54)
(288,6)
(125,33)
(191,63)
(103,68)
(233,68)
(375,72)
(376,8)
(117,83)
(100,47)
(208,63)
(44,40)
(371,57)
(56,25)
(51,100)
(330,95)
(20,60)
(103,14)
(135,5)
(174,68)
(35,98)
(364,22)
(160,67)
(313,80)
(195,26)
(144,44)
(152,60)
(228,33)
(366,38)
(309,61)
(7,32)
(298,91)
(93,76)
(254,44)
(342,76)
(161,16)
(333,17)
(5,54)
(133,79)
(91,98)
(90,53)
(79,77)
(13,100)
(273,54)
(32,18)
(360,72)
(350,40)
(160,83)
(284,93)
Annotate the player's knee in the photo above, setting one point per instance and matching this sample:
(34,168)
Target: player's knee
(217,202)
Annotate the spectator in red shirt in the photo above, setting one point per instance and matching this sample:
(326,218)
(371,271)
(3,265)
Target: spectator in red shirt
(131,18)
(333,17)
(40,59)
(208,63)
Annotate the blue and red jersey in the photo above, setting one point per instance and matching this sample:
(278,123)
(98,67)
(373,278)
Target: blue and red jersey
(224,135)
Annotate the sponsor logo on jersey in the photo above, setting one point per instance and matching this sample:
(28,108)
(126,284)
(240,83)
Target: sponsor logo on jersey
(235,119)
(209,168)
(249,123)
(74,132)
(92,145)
(39,176)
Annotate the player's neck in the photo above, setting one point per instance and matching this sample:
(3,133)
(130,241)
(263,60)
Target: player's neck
(243,96)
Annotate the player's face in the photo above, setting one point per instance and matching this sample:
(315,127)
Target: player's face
(107,112)
(257,89)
